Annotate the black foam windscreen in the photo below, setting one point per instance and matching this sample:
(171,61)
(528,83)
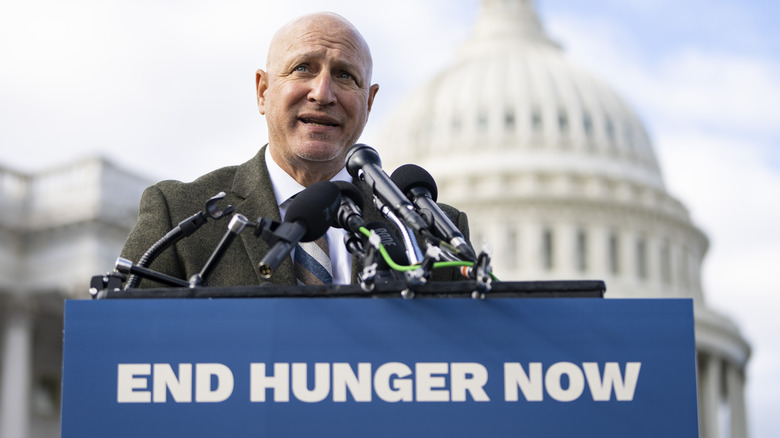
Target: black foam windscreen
(410,176)
(315,209)
(349,190)
(360,155)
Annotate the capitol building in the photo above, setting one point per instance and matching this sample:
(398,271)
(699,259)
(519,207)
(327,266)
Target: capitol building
(559,178)
(556,172)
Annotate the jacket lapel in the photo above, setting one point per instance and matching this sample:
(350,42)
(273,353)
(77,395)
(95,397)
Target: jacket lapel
(253,185)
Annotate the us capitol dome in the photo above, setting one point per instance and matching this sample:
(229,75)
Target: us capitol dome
(559,177)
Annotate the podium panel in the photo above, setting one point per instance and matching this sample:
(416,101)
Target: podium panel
(288,367)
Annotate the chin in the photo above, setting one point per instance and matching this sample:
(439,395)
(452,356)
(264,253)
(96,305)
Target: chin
(320,151)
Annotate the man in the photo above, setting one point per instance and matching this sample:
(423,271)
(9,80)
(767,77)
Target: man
(316,95)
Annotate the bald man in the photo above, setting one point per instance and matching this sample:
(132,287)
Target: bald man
(316,95)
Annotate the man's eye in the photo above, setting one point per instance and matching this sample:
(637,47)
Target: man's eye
(301,68)
(345,75)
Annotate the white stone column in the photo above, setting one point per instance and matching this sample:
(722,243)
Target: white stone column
(16,375)
(710,397)
(529,248)
(508,255)
(735,388)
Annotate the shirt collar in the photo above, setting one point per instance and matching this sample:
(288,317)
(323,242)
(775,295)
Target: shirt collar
(285,186)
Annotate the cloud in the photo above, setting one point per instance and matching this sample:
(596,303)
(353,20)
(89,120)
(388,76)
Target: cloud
(724,91)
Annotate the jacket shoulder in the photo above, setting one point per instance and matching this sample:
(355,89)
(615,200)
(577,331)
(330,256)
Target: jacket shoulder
(182,196)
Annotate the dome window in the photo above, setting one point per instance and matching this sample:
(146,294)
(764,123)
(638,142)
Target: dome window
(547,249)
(482,120)
(685,274)
(666,263)
(582,250)
(628,139)
(610,131)
(509,119)
(536,120)
(641,258)
(587,124)
(613,251)
(563,122)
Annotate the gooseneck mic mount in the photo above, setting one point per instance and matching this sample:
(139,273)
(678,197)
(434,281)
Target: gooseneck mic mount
(184,229)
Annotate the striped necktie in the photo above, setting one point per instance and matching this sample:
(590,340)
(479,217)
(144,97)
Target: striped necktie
(312,262)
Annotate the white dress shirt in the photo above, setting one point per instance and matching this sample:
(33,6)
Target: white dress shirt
(285,187)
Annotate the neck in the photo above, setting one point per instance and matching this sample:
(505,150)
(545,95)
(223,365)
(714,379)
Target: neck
(307,172)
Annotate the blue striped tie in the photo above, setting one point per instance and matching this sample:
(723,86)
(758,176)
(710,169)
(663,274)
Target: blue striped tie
(312,262)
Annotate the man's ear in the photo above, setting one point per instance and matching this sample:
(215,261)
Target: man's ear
(371,93)
(261,85)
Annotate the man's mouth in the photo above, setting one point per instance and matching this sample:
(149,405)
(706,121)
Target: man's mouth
(319,121)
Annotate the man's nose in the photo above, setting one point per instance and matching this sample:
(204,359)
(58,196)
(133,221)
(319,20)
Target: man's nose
(322,89)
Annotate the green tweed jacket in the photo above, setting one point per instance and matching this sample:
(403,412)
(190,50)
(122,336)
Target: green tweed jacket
(248,188)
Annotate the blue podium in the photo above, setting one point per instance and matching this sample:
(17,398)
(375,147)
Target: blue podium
(383,367)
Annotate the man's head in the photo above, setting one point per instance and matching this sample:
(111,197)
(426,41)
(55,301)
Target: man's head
(316,94)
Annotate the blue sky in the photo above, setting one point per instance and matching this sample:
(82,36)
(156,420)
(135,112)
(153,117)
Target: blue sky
(166,88)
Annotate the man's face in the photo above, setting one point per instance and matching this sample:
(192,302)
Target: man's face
(316,95)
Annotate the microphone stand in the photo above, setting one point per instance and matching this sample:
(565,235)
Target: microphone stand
(237,224)
(235,227)
(413,251)
(367,277)
(125,266)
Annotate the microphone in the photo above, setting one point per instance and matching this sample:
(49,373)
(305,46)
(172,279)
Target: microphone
(350,212)
(390,242)
(421,189)
(379,270)
(309,216)
(363,163)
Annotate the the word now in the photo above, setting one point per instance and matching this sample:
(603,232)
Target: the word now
(533,385)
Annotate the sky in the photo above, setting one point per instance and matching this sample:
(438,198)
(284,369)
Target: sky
(166,88)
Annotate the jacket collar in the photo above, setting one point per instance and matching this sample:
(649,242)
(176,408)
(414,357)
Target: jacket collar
(252,185)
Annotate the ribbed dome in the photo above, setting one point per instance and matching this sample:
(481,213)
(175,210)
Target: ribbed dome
(554,169)
(512,97)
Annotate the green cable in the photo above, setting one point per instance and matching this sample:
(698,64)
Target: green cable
(393,265)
